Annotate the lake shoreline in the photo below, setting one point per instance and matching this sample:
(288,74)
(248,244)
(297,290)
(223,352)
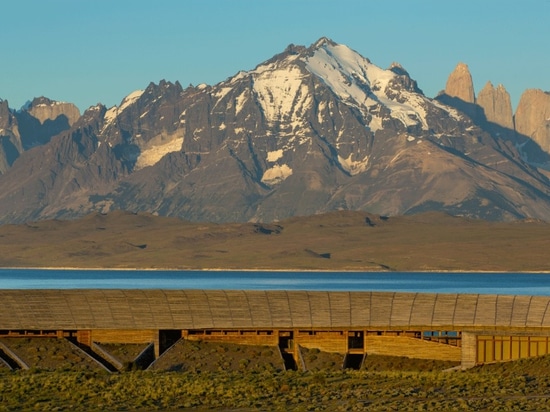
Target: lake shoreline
(503,283)
(264,270)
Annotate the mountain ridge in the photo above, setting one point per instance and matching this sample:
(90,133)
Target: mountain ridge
(312,129)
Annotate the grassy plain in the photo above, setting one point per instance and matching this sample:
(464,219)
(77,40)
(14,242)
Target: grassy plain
(333,241)
(520,385)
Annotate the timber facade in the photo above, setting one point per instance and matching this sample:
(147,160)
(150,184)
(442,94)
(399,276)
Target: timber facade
(467,328)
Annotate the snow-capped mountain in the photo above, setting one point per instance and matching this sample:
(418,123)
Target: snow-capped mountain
(313,129)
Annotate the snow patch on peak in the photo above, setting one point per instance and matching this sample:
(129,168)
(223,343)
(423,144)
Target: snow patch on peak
(110,115)
(362,84)
(113,112)
(274,155)
(161,145)
(281,93)
(130,99)
(152,155)
(276,174)
(239,76)
(347,73)
(450,110)
(353,167)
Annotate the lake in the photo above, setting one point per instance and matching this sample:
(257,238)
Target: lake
(483,283)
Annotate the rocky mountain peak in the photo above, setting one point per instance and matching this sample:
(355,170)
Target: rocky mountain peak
(368,87)
(42,100)
(398,69)
(10,139)
(460,84)
(4,113)
(323,41)
(532,118)
(496,105)
(294,49)
(42,109)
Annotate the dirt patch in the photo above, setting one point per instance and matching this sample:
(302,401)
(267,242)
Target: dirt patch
(537,366)
(377,363)
(199,356)
(316,360)
(50,354)
(125,353)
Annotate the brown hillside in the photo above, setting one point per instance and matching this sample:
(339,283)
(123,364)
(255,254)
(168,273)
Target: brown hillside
(334,241)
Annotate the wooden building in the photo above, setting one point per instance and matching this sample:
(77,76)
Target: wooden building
(472,329)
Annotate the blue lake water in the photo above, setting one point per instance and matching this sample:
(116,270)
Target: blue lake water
(484,283)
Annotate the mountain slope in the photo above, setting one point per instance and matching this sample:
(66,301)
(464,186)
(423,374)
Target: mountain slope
(310,130)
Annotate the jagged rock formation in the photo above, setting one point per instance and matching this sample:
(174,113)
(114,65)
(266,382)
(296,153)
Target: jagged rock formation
(459,93)
(527,130)
(460,84)
(496,105)
(34,125)
(43,118)
(311,130)
(532,117)
(45,109)
(10,139)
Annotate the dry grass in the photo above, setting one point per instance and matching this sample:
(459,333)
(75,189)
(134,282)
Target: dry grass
(241,378)
(521,385)
(50,354)
(198,357)
(334,241)
(123,352)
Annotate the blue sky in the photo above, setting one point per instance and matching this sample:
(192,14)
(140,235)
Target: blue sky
(90,51)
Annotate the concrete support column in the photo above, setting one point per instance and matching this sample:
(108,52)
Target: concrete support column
(469,350)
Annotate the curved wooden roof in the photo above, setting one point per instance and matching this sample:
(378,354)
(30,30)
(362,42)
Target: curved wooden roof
(226,309)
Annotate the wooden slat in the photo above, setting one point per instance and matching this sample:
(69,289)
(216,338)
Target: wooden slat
(178,304)
(486,310)
(200,309)
(320,309)
(422,310)
(520,311)
(537,310)
(12,312)
(444,310)
(239,307)
(340,309)
(401,310)
(504,307)
(260,309)
(300,309)
(160,309)
(380,309)
(279,309)
(140,309)
(219,309)
(82,313)
(360,309)
(120,309)
(545,322)
(465,309)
